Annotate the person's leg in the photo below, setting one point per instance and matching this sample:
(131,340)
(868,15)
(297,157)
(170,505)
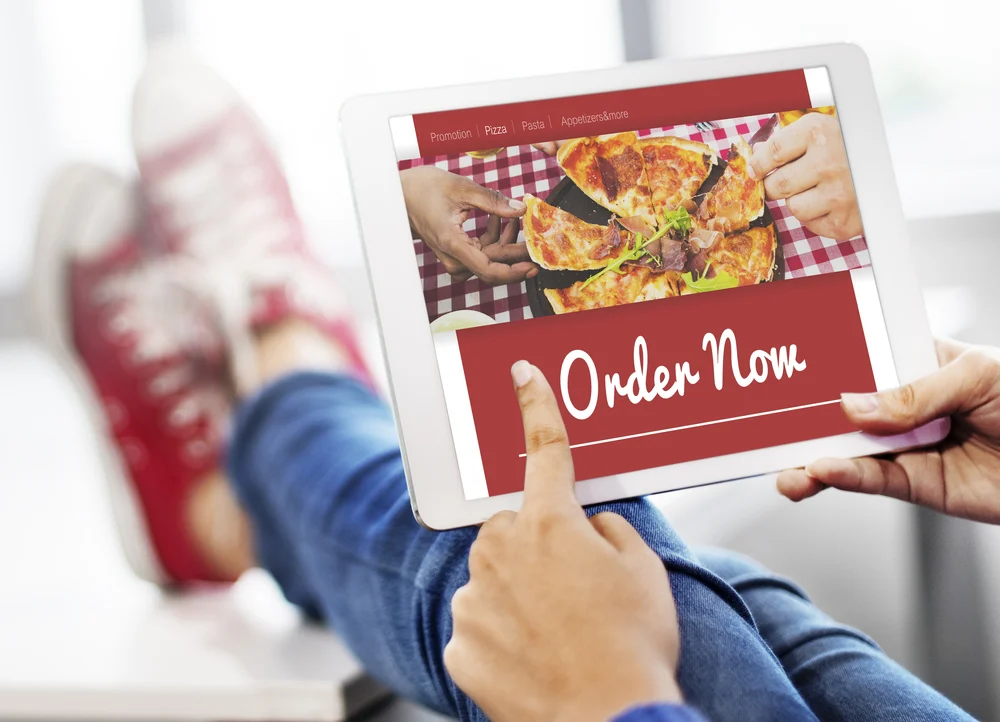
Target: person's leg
(841,673)
(217,525)
(315,456)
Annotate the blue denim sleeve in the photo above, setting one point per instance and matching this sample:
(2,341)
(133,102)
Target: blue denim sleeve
(660,713)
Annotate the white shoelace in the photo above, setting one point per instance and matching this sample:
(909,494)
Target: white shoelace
(233,229)
(159,308)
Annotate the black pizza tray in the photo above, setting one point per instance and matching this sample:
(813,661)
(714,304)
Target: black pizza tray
(567,196)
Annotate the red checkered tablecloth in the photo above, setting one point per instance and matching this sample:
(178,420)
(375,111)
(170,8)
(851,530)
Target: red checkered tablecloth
(522,169)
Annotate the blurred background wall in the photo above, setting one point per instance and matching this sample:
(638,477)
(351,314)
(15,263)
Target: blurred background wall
(926,588)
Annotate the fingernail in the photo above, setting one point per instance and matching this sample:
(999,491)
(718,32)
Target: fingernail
(532,273)
(516,204)
(751,172)
(861,404)
(522,372)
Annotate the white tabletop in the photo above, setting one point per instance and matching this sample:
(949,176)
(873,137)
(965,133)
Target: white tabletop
(80,637)
(132,652)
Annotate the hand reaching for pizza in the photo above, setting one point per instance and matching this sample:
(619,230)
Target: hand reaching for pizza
(959,476)
(438,203)
(564,617)
(806,164)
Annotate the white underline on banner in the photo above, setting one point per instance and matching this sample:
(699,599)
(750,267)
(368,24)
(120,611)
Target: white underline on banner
(702,423)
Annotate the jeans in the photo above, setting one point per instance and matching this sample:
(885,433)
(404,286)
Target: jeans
(315,461)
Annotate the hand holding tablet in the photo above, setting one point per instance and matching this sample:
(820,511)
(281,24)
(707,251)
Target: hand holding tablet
(960,476)
(664,248)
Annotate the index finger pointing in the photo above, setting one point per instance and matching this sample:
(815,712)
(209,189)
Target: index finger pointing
(549,479)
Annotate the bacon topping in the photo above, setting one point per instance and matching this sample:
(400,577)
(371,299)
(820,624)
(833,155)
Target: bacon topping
(704,238)
(612,240)
(609,177)
(696,265)
(637,225)
(673,255)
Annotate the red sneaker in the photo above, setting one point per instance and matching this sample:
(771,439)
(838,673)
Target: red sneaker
(147,359)
(216,194)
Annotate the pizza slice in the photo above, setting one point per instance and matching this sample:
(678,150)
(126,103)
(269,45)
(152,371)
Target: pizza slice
(737,199)
(560,241)
(748,255)
(611,289)
(661,285)
(675,169)
(610,169)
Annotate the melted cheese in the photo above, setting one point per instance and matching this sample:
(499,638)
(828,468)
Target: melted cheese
(748,255)
(737,199)
(611,171)
(611,289)
(558,240)
(675,169)
(661,285)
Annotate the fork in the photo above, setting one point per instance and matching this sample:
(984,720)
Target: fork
(705,127)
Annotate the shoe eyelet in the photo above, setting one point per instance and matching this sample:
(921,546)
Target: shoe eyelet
(119,325)
(179,418)
(134,452)
(197,449)
(115,412)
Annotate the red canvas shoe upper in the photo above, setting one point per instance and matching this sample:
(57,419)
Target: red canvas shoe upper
(216,194)
(153,359)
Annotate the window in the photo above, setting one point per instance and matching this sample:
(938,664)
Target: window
(935,67)
(66,75)
(298,61)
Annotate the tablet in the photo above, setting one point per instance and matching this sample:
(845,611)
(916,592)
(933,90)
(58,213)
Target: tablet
(694,329)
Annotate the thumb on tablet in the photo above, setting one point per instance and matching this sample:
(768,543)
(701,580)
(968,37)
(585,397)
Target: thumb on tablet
(955,387)
(549,478)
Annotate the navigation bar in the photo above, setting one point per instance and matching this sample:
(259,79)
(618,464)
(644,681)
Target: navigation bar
(497,126)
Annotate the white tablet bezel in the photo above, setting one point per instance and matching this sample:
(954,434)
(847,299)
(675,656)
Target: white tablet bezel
(432,472)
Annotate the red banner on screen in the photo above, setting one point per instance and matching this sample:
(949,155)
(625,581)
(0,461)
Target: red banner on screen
(496,126)
(815,320)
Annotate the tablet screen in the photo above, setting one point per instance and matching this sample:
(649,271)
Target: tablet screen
(690,271)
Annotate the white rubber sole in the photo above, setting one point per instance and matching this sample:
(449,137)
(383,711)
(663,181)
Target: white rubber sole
(76,189)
